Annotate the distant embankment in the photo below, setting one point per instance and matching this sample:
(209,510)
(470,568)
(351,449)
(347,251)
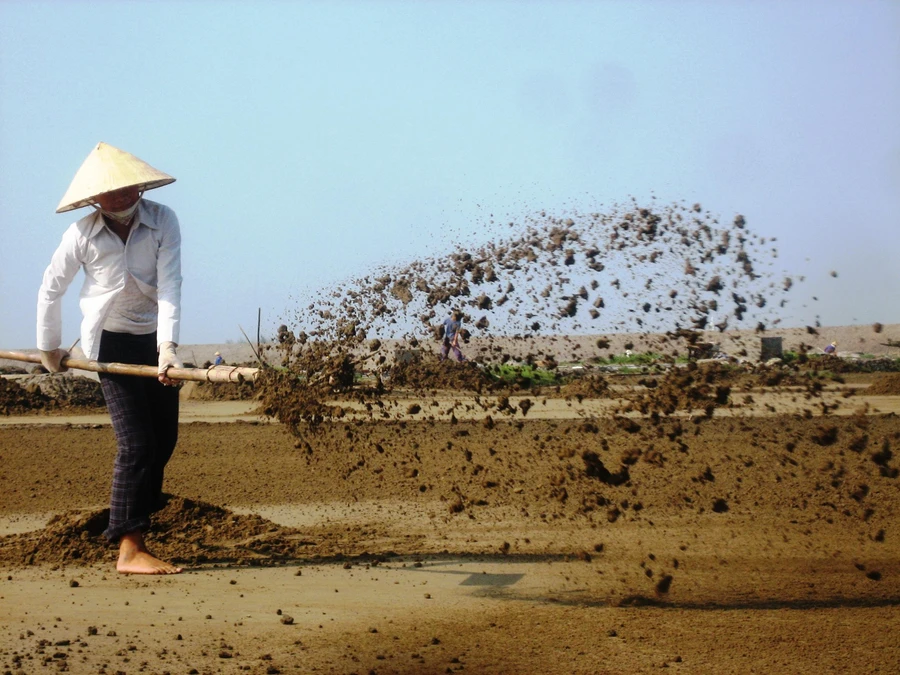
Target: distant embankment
(851,340)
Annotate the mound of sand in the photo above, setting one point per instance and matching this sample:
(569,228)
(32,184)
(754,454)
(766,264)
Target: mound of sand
(220,391)
(16,400)
(184,531)
(885,385)
(68,390)
(56,392)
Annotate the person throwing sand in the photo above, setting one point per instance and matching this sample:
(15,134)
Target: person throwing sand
(130,251)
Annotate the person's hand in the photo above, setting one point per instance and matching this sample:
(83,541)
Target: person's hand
(168,359)
(52,360)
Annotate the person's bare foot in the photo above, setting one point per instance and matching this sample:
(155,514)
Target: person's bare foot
(134,558)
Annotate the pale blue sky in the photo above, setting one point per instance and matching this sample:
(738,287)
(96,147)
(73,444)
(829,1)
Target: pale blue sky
(313,141)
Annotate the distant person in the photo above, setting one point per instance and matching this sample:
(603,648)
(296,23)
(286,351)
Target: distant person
(831,349)
(218,361)
(130,251)
(452,330)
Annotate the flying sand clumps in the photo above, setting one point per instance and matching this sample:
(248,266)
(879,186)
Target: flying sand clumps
(629,270)
(632,269)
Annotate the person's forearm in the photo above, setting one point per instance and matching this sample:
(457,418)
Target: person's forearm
(49,325)
(168,326)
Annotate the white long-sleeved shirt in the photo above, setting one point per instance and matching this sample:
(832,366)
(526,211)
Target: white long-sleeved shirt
(151,256)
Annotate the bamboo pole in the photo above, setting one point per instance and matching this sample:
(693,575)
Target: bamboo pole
(213,374)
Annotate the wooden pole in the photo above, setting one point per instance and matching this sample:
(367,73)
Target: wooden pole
(214,374)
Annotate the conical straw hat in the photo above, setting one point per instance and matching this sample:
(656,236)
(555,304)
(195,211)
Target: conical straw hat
(107,169)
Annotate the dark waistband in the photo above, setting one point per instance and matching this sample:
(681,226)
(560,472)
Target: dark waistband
(129,337)
(128,348)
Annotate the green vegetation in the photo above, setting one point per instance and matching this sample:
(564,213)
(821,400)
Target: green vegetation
(523,375)
(643,359)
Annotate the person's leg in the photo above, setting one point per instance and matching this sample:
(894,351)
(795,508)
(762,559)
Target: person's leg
(458,354)
(137,475)
(127,405)
(163,406)
(445,349)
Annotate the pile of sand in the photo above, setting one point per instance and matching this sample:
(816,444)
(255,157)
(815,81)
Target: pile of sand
(222,391)
(60,392)
(184,531)
(886,385)
(17,400)
(68,390)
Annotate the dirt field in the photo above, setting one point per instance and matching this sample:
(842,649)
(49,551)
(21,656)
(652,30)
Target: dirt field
(557,538)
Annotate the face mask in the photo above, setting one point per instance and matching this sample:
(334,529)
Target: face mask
(122,217)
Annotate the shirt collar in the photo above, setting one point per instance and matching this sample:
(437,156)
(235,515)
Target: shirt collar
(140,217)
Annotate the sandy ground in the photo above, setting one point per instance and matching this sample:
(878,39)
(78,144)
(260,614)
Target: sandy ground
(761,539)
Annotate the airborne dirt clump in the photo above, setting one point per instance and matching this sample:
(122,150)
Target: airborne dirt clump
(692,388)
(656,267)
(423,371)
